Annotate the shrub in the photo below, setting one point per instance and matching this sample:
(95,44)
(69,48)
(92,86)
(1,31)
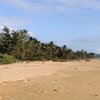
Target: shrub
(6,59)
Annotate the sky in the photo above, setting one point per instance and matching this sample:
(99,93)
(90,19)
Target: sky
(75,23)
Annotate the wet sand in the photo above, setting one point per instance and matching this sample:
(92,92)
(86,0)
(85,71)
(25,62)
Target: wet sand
(50,81)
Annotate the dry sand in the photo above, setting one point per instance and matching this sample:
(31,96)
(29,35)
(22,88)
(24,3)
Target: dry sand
(50,81)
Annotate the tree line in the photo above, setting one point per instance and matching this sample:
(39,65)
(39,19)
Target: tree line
(22,46)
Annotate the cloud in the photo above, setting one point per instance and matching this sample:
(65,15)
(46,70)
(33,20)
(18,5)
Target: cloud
(98,51)
(89,43)
(12,22)
(54,5)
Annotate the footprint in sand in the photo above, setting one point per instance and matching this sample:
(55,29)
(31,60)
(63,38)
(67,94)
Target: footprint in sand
(55,81)
(96,95)
(55,90)
(4,68)
(42,91)
(4,83)
(27,80)
(75,68)
(89,83)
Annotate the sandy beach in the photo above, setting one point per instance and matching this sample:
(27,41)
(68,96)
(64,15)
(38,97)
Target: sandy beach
(50,81)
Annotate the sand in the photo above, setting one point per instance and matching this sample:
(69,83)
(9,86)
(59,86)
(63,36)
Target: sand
(50,81)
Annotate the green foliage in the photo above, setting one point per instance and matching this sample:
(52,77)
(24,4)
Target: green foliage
(24,47)
(6,59)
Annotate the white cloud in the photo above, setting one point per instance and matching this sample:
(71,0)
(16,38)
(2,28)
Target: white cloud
(54,5)
(98,51)
(12,22)
(89,43)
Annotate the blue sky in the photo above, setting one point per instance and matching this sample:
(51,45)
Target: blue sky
(75,23)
